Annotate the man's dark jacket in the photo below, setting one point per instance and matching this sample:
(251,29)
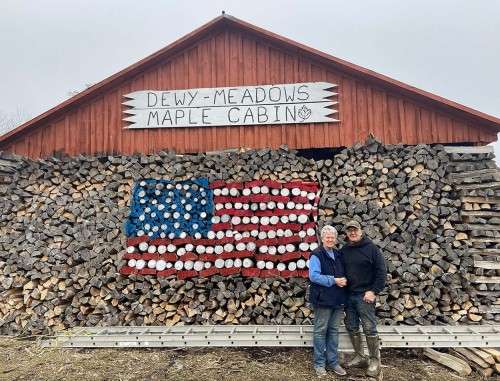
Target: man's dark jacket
(364,266)
(333,296)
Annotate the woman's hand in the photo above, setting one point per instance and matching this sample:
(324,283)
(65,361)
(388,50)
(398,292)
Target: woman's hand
(341,282)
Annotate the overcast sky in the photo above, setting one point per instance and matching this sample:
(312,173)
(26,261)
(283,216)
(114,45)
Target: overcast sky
(448,47)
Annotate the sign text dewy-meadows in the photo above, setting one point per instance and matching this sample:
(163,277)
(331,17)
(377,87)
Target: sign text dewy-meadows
(227,106)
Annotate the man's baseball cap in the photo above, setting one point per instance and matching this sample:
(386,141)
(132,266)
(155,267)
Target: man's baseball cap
(352,224)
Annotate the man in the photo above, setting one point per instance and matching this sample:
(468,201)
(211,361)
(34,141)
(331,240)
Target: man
(365,271)
(327,296)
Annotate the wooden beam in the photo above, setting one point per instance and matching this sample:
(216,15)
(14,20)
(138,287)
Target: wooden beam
(493,309)
(470,174)
(484,252)
(488,293)
(484,234)
(479,227)
(481,213)
(486,279)
(493,257)
(481,200)
(485,240)
(490,265)
(469,149)
(491,185)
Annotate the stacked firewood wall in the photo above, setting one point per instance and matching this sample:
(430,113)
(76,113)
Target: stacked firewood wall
(62,239)
(403,197)
(476,179)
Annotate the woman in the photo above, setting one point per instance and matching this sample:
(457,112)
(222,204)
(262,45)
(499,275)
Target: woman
(327,296)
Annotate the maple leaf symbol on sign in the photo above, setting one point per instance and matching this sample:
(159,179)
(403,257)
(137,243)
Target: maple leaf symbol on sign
(304,112)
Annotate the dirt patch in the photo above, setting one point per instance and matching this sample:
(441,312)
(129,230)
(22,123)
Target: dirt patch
(25,360)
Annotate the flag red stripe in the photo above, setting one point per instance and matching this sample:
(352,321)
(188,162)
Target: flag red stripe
(269,273)
(300,200)
(187,274)
(234,212)
(237,254)
(209,272)
(168,272)
(230,271)
(256,198)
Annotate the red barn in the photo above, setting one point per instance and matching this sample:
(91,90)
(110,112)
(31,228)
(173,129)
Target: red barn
(227,52)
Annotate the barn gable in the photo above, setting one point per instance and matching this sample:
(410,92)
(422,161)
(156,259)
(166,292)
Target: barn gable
(230,52)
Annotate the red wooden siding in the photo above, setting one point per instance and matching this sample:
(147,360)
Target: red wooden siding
(233,57)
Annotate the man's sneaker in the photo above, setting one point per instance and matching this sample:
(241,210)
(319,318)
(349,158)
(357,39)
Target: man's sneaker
(337,369)
(320,372)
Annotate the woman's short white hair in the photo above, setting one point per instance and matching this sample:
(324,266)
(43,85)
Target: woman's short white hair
(328,229)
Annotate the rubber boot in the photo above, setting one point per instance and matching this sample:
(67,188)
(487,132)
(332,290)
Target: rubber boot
(373,344)
(359,359)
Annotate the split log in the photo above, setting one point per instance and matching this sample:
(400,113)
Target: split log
(493,352)
(484,372)
(472,356)
(486,357)
(454,363)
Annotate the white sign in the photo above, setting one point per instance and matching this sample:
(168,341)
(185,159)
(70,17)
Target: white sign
(232,106)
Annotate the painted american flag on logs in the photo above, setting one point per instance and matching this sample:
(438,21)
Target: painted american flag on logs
(261,228)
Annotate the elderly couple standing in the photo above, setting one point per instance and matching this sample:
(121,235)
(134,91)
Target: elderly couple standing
(347,279)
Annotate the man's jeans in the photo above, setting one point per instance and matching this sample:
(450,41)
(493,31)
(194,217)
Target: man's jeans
(358,310)
(326,335)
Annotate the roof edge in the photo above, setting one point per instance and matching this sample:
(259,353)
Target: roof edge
(367,74)
(114,78)
(225,19)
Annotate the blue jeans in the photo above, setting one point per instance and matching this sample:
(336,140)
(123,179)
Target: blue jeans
(326,335)
(358,310)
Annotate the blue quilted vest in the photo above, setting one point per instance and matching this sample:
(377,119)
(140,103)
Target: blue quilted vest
(334,296)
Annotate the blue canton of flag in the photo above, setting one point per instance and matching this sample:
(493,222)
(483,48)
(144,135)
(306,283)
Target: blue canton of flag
(168,209)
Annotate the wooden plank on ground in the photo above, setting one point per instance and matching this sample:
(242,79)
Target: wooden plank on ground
(493,352)
(452,362)
(471,356)
(484,372)
(486,357)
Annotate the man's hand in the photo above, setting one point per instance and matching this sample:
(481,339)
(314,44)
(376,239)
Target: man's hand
(369,297)
(341,282)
